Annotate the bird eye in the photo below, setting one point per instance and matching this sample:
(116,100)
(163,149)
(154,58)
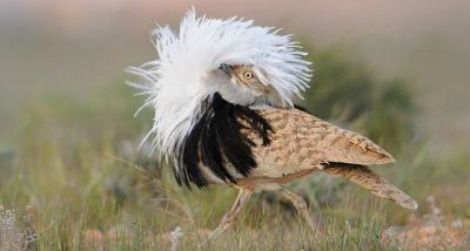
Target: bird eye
(248,75)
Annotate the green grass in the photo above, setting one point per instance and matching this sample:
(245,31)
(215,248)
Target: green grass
(68,162)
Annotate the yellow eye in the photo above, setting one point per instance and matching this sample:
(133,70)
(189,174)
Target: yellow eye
(248,75)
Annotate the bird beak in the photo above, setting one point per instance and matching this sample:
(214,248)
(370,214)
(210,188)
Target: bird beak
(226,68)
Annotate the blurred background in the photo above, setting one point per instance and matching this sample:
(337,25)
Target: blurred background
(397,71)
(72,46)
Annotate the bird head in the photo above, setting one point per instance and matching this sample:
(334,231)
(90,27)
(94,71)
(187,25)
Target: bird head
(245,64)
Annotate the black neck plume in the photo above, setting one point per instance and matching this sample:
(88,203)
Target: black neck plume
(216,140)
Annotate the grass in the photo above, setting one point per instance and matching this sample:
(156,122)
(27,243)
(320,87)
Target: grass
(74,172)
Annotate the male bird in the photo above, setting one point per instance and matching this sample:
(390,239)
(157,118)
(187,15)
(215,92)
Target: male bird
(224,94)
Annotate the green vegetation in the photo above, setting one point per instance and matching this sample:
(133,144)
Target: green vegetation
(346,92)
(74,171)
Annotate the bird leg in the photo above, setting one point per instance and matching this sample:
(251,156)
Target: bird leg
(301,206)
(229,218)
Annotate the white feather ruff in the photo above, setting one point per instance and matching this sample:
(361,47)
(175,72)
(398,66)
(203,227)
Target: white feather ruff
(175,81)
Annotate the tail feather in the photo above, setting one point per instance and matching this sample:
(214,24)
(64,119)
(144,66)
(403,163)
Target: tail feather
(367,179)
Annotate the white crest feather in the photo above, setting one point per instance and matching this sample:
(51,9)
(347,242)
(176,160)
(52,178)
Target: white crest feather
(175,81)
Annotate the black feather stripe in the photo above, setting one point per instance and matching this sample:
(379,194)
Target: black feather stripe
(227,140)
(302,108)
(212,156)
(216,140)
(191,173)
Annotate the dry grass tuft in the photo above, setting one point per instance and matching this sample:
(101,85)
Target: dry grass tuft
(431,231)
(14,235)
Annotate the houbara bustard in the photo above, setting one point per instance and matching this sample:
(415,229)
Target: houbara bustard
(224,94)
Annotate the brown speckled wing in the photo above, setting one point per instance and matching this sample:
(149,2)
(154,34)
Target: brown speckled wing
(301,141)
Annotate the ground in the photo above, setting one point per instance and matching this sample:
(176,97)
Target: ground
(75,182)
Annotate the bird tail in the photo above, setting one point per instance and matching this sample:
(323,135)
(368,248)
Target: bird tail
(367,179)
